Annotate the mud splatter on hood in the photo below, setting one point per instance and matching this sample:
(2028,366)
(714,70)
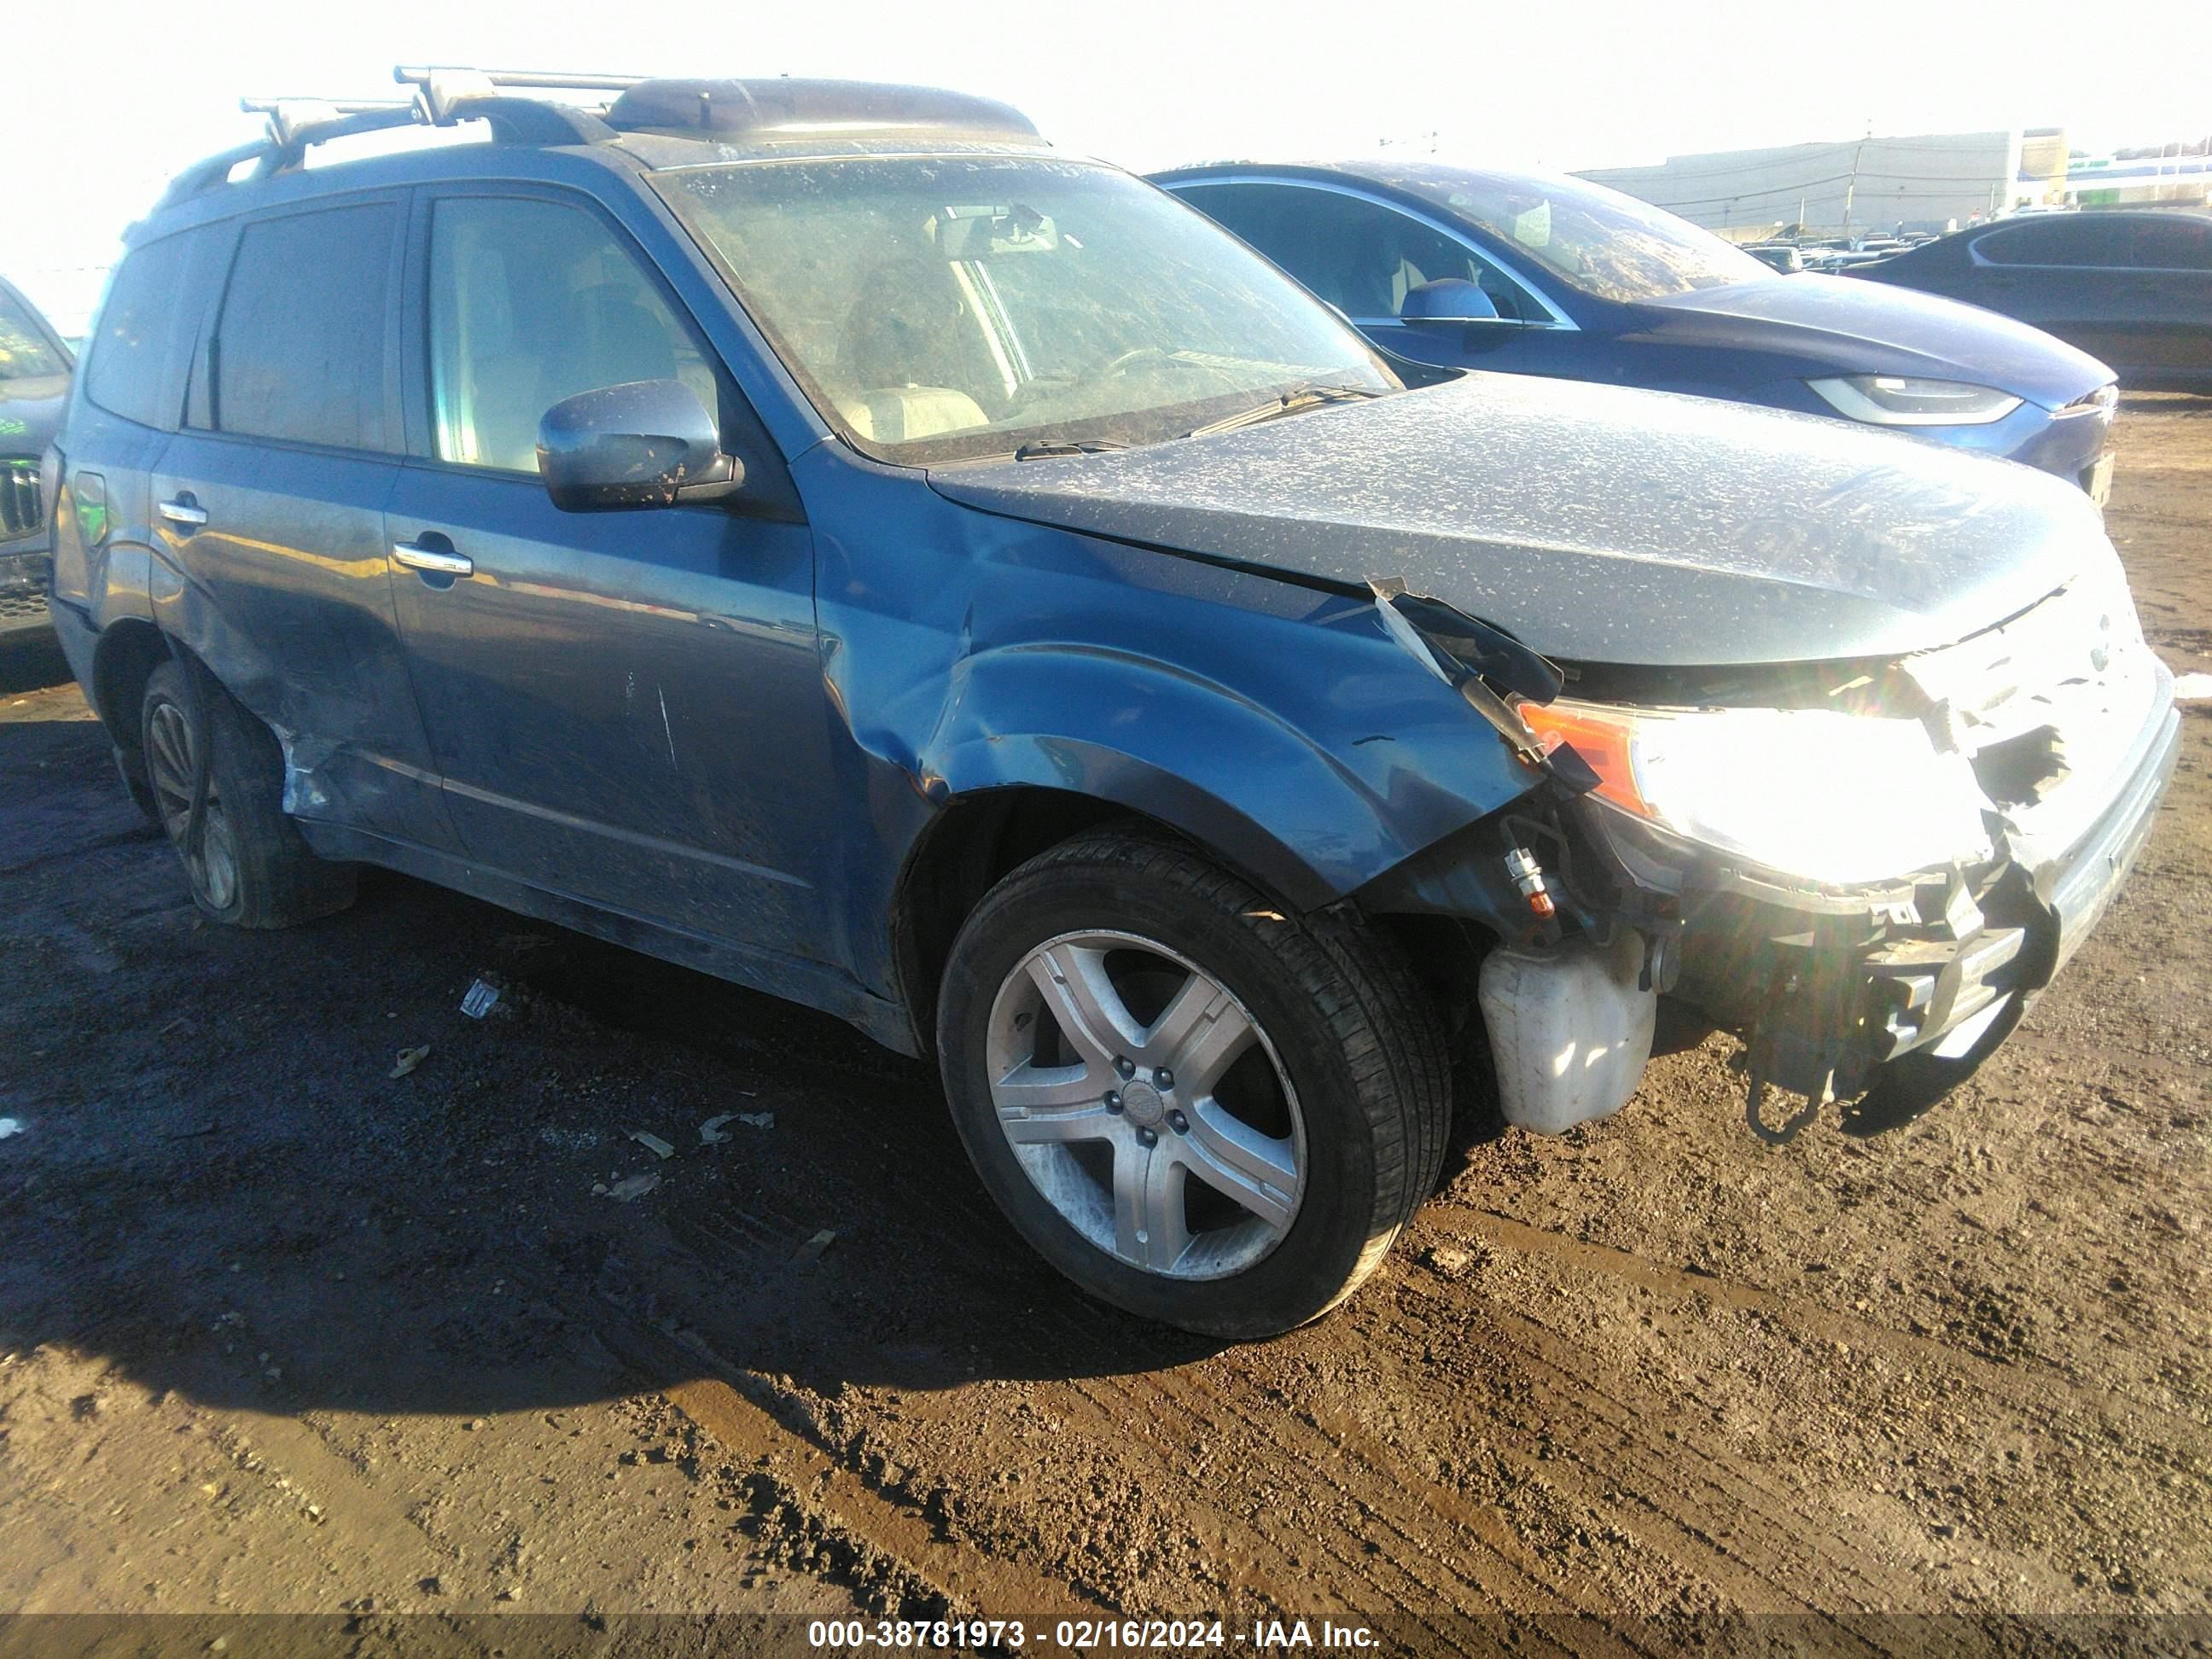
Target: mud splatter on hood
(1597,524)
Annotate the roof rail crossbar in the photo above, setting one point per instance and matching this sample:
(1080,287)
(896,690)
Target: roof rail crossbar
(544,80)
(297,124)
(288,140)
(531,121)
(289,117)
(343,106)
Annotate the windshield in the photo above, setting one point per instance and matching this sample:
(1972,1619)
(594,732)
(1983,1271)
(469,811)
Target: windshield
(1609,246)
(943,309)
(25,352)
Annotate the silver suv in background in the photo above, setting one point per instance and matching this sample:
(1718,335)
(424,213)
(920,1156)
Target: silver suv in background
(34,381)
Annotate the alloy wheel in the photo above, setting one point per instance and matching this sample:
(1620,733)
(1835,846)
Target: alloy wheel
(1147,1105)
(171,765)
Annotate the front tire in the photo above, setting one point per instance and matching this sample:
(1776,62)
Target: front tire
(1198,1107)
(247,863)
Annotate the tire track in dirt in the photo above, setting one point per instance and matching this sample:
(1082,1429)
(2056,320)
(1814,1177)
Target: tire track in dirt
(1482,1568)
(1378,1586)
(1701,1508)
(889,1539)
(1152,1437)
(1622,1440)
(1372,1502)
(2033,1393)
(1329,1433)
(1234,1416)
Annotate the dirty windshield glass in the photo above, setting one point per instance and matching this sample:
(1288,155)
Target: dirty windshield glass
(1609,246)
(25,353)
(943,309)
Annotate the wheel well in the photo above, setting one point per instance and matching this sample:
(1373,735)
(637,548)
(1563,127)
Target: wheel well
(128,654)
(973,844)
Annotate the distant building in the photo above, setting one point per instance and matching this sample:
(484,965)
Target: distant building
(1858,186)
(2128,180)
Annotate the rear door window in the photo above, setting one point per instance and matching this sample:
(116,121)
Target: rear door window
(301,348)
(129,354)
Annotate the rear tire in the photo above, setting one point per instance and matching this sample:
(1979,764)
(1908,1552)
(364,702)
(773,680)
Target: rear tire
(1280,1093)
(249,867)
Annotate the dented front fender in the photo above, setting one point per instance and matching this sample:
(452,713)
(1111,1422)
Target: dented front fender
(1275,722)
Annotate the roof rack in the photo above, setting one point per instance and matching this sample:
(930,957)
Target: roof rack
(544,80)
(789,107)
(444,97)
(290,117)
(728,109)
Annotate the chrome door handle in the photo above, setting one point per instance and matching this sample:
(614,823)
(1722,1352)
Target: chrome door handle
(183,511)
(437,560)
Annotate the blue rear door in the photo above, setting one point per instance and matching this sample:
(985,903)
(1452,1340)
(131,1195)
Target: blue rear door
(267,507)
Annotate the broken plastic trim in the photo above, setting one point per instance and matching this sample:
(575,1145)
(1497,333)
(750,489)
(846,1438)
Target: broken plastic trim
(1471,656)
(1455,645)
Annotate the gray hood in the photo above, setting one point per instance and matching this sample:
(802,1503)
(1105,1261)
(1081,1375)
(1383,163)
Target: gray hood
(1599,524)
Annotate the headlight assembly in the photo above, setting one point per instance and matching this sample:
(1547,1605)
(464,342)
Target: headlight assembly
(1824,796)
(1902,400)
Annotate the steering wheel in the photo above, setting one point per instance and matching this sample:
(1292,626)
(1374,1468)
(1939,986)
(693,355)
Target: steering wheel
(1141,353)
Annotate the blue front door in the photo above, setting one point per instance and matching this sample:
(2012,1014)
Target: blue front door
(626,708)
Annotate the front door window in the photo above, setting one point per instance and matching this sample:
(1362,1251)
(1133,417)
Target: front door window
(530,302)
(1360,256)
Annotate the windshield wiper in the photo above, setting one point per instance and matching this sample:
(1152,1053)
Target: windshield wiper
(1303,397)
(1045,448)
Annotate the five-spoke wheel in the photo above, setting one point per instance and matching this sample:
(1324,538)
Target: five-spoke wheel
(1195,1105)
(1123,1074)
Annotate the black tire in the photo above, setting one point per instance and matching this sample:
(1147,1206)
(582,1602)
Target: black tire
(131,766)
(1348,1029)
(250,868)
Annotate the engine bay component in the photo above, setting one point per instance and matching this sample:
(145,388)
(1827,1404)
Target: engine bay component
(1570,1030)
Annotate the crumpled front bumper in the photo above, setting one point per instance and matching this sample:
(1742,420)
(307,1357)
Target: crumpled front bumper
(1832,988)
(1945,1000)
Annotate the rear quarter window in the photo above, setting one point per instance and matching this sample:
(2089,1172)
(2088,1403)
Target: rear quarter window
(300,351)
(2059,241)
(2173,243)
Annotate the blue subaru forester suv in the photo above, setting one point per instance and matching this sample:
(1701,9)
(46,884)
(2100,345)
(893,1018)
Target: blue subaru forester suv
(819,533)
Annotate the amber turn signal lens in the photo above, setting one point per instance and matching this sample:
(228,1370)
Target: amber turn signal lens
(1605,743)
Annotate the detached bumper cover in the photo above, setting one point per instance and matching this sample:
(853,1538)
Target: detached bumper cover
(1941,997)
(1832,985)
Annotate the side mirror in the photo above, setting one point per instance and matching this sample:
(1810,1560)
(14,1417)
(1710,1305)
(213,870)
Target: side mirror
(1448,300)
(648,443)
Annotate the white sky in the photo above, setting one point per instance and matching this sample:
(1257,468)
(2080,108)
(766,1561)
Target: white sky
(115,95)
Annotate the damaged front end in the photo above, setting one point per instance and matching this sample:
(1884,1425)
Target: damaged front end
(1868,870)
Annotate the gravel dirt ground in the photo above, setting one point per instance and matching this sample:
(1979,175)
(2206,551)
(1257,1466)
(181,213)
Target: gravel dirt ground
(283,1332)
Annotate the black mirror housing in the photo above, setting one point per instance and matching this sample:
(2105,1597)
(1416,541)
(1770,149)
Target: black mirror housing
(1448,300)
(643,444)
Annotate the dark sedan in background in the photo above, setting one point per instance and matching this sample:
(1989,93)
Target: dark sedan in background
(1536,274)
(2134,287)
(34,379)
